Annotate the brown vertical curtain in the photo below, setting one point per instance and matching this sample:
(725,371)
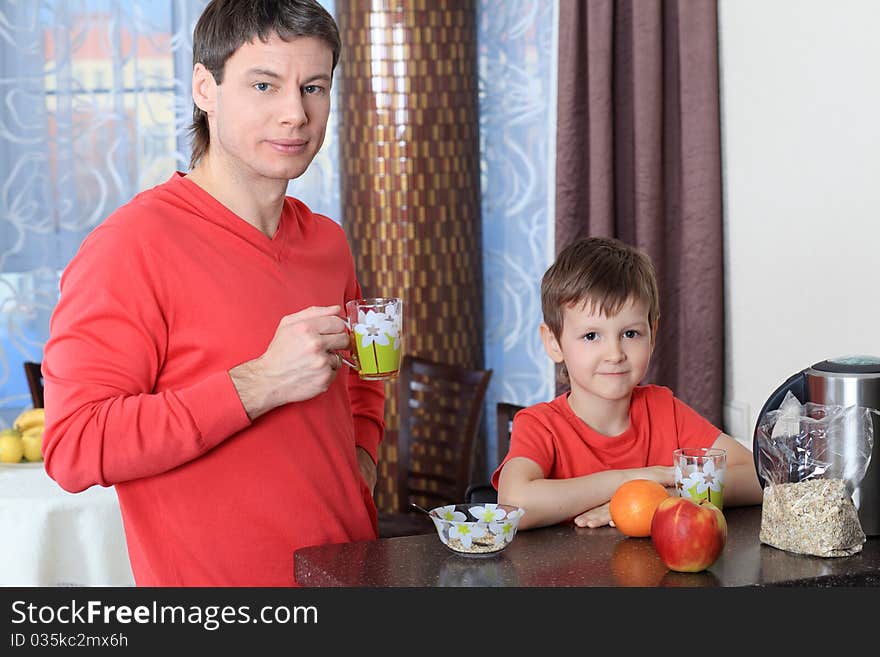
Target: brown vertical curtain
(410,178)
(639,158)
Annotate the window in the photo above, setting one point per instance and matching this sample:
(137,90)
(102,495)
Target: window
(94,107)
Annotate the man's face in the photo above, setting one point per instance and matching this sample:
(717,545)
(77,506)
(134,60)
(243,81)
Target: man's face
(606,357)
(269,116)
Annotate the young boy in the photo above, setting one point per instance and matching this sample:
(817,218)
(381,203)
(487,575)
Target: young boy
(567,457)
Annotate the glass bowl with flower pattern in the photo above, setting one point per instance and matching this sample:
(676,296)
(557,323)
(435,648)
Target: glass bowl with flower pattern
(476,530)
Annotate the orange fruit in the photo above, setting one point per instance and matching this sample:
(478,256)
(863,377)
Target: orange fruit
(633,504)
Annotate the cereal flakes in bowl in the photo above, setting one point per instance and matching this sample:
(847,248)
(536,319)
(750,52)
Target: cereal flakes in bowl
(476,529)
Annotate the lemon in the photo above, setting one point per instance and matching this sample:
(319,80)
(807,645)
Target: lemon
(32,441)
(11,447)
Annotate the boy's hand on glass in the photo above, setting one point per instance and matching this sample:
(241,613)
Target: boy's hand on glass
(598,517)
(662,474)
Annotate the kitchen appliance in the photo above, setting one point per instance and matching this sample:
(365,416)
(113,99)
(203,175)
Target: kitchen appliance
(843,381)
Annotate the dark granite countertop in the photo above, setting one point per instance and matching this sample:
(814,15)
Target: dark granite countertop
(565,555)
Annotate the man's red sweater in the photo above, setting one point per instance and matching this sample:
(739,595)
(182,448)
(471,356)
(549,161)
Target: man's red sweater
(161,301)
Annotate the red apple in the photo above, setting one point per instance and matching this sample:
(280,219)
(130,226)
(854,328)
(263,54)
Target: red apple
(688,536)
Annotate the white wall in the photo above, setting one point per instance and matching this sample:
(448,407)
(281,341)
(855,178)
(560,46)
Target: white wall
(800,98)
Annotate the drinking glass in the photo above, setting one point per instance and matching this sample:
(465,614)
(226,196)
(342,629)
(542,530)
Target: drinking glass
(376,326)
(699,473)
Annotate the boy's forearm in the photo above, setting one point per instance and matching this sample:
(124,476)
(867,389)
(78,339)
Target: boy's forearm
(741,486)
(550,501)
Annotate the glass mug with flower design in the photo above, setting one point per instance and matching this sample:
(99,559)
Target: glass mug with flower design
(699,473)
(376,330)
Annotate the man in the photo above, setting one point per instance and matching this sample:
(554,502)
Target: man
(192,355)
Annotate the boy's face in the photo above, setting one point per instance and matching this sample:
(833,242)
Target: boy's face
(606,357)
(268,117)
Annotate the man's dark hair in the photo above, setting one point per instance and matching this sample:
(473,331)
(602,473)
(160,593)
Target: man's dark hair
(225,25)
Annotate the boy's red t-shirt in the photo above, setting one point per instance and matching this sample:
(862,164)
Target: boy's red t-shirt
(564,446)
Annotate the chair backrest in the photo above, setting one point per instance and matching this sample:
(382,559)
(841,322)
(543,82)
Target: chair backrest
(504,413)
(440,410)
(35,382)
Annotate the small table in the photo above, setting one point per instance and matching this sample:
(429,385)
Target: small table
(565,555)
(49,537)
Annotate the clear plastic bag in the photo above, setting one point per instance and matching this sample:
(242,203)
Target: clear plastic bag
(811,458)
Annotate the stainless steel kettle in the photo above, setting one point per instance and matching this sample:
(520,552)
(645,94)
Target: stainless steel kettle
(844,381)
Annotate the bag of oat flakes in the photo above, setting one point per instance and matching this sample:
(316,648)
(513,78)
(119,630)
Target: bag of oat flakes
(811,458)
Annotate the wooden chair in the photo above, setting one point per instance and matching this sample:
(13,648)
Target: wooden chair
(504,412)
(35,382)
(440,406)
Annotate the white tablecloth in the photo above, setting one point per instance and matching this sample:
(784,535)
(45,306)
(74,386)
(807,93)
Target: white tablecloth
(49,537)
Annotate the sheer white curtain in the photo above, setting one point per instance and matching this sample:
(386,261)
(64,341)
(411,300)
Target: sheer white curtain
(94,107)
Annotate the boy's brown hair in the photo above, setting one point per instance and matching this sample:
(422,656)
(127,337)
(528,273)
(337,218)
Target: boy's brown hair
(225,25)
(602,271)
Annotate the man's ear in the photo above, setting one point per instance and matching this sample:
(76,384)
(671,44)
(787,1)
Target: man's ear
(204,88)
(551,344)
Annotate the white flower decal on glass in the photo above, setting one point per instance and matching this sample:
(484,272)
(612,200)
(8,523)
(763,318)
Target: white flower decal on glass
(393,317)
(440,525)
(709,478)
(516,514)
(449,514)
(700,481)
(679,481)
(503,531)
(467,532)
(375,328)
(487,513)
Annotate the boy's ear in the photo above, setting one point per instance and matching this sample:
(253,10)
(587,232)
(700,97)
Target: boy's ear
(654,333)
(204,88)
(551,344)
